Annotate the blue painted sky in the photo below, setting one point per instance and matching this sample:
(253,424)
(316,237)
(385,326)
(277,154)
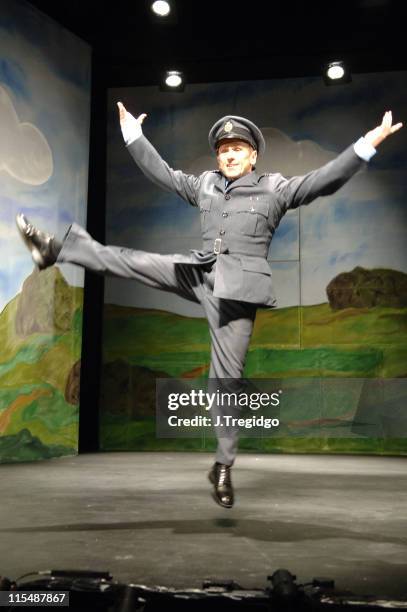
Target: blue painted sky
(305,124)
(44,122)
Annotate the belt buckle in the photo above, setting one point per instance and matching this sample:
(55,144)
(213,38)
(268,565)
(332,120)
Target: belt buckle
(217,246)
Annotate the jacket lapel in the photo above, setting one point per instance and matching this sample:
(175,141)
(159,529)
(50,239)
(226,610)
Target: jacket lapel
(220,184)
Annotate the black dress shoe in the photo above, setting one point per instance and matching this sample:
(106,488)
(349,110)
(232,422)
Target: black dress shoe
(221,479)
(43,247)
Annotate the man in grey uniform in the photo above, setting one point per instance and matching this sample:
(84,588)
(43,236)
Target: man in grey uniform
(230,277)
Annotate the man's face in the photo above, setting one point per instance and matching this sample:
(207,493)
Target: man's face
(235,158)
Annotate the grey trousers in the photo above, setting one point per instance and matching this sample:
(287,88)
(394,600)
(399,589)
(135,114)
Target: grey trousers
(230,321)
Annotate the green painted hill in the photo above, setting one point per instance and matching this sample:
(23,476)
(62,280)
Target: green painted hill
(40,332)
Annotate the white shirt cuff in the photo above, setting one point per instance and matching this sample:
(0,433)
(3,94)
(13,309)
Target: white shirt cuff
(364,149)
(131,130)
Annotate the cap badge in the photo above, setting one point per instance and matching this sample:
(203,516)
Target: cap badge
(228,127)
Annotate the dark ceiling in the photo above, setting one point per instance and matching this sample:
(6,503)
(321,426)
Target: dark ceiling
(230,40)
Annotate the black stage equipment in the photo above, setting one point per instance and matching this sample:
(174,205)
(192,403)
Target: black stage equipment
(93,591)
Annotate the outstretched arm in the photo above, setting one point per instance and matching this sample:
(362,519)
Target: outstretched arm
(150,162)
(300,190)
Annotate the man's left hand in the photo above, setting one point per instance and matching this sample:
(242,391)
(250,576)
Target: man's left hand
(380,133)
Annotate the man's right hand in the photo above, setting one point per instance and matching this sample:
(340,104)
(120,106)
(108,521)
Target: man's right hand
(130,126)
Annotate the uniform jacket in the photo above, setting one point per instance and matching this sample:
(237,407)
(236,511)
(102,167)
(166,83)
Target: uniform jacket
(238,221)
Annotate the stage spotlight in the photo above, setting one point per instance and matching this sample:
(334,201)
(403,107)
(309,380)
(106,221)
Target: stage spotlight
(162,13)
(335,73)
(172,80)
(161,8)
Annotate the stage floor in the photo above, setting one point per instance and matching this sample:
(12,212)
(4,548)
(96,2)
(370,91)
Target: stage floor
(149,519)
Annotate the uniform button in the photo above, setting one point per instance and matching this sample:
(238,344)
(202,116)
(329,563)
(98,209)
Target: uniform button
(224,214)
(227,196)
(222,232)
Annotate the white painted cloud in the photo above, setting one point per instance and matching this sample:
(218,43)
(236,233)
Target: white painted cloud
(290,157)
(24,151)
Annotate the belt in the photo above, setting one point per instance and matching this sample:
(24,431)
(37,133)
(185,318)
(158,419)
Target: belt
(218,246)
(217,250)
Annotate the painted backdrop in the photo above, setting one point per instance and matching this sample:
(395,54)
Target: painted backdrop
(339,264)
(44,148)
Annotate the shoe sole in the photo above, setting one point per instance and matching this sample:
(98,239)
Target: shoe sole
(35,254)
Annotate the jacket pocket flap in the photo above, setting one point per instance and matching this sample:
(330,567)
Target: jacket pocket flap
(256,264)
(260,207)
